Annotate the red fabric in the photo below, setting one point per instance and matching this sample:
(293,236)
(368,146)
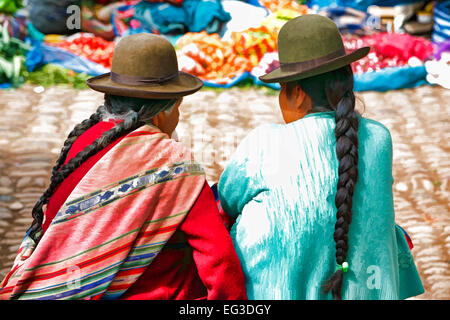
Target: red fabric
(388,50)
(64,190)
(408,239)
(198,262)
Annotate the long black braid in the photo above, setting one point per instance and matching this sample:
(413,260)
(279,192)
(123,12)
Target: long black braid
(334,90)
(346,133)
(78,130)
(135,112)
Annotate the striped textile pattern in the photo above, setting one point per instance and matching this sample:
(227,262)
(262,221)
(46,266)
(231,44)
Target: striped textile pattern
(112,226)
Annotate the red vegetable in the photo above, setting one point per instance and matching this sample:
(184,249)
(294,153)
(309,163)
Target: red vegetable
(95,49)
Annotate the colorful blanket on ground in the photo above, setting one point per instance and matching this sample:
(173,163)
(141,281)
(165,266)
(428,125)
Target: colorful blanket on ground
(114,223)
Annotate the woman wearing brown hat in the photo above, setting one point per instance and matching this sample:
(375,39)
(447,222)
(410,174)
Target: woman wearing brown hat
(313,198)
(128,213)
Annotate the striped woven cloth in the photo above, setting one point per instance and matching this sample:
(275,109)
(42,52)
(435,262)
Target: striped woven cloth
(114,223)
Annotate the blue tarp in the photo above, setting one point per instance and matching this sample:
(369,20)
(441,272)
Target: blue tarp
(391,79)
(5,85)
(358,4)
(44,54)
(383,80)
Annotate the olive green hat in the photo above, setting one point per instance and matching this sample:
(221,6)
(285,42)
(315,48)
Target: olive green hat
(310,45)
(145,66)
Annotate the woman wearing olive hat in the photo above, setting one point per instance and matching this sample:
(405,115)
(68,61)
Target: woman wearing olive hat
(128,213)
(313,198)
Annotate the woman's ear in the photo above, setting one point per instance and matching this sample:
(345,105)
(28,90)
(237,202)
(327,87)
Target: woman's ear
(298,96)
(159,119)
(294,103)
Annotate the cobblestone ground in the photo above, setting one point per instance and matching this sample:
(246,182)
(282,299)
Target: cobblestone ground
(33,127)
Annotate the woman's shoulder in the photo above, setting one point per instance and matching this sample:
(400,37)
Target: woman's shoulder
(266,134)
(375,146)
(375,131)
(375,126)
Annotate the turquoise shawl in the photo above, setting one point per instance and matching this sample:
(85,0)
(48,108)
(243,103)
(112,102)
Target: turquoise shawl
(280,185)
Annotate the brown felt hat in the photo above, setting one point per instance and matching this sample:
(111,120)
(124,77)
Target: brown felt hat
(145,66)
(310,45)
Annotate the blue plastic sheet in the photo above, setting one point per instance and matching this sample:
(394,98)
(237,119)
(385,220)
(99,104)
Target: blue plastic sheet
(5,85)
(42,54)
(358,4)
(275,86)
(391,79)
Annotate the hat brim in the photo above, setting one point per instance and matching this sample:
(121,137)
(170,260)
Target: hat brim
(183,85)
(278,75)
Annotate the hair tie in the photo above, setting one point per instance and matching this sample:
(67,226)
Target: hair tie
(343,266)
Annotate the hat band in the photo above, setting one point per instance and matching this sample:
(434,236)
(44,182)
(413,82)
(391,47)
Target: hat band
(138,80)
(306,65)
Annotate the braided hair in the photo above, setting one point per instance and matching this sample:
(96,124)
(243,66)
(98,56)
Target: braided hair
(135,112)
(74,134)
(334,91)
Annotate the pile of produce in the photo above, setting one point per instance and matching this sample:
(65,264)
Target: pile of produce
(93,48)
(208,57)
(254,43)
(50,74)
(275,5)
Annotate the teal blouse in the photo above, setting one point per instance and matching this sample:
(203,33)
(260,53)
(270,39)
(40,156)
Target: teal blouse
(280,185)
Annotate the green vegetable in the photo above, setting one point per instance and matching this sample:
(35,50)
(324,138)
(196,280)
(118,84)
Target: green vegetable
(10,6)
(50,74)
(12,58)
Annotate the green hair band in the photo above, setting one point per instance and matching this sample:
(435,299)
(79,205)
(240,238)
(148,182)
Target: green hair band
(343,266)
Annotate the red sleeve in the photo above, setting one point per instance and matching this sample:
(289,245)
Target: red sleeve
(213,251)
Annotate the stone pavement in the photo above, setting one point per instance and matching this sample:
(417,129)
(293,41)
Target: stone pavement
(34,125)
